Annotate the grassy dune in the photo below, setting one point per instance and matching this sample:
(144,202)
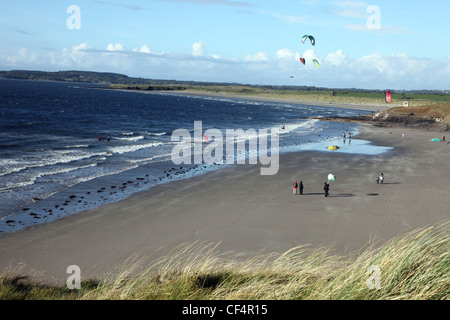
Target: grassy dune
(415,265)
(329,95)
(433,110)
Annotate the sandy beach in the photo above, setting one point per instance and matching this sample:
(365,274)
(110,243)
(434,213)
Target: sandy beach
(250,213)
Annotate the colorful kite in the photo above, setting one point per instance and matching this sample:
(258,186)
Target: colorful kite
(316,63)
(387,96)
(311,38)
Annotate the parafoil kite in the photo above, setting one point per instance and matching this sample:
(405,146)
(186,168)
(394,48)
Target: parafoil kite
(316,63)
(311,38)
(313,42)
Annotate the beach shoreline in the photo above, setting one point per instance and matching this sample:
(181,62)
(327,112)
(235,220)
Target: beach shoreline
(249,213)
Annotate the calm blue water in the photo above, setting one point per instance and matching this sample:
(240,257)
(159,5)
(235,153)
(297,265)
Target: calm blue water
(56,158)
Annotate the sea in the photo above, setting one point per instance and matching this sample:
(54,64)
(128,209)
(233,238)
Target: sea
(71,147)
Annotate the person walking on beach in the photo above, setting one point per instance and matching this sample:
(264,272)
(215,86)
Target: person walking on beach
(381,177)
(326,187)
(294,190)
(301,187)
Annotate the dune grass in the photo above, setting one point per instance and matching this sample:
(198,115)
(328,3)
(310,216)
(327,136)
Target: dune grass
(414,266)
(435,110)
(299,94)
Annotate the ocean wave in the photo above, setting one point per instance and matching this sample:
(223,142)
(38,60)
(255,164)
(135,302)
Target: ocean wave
(77,146)
(132,148)
(17,165)
(136,138)
(31,179)
(309,124)
(150,159)
(157,133)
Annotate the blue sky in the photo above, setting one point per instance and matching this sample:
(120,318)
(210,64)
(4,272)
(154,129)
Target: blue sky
(375,45)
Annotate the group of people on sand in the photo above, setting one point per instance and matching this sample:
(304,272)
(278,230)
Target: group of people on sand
(380,178)
(297,188)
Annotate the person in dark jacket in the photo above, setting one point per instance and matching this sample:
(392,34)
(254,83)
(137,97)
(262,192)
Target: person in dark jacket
(326,187)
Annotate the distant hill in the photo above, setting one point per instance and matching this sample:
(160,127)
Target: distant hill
(72,76)
(93,77)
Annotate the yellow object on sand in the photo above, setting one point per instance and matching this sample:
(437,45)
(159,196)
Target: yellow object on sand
(333,147)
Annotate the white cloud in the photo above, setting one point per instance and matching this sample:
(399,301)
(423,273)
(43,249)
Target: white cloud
(310,54)
(198,49)
(78,55)
(336,58)
(23,55)
(287,60)
(115,47)
(145,49)
(257,57)
(286,53)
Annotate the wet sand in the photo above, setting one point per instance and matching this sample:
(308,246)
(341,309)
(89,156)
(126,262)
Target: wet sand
(250,213)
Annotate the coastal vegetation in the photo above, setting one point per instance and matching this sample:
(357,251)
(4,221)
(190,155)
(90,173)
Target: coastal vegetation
(300,94)
(411,266)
